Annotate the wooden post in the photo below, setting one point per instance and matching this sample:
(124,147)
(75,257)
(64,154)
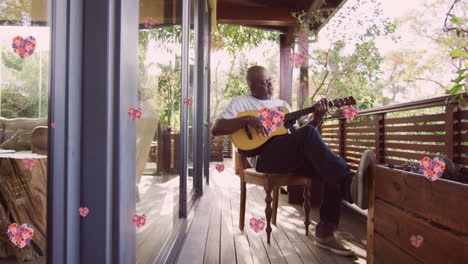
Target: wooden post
(286,42)
(303,91)
(449,130)
(342,134)
(371,219)
(379,138)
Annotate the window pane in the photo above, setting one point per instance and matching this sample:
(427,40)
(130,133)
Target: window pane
(158,130)
(24,89)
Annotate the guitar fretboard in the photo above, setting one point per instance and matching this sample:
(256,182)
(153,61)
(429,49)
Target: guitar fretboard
(296,114)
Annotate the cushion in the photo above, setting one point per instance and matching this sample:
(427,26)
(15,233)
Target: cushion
(20,140)
(11,125)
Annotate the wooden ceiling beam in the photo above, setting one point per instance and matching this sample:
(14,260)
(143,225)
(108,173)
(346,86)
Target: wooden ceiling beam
(255,16)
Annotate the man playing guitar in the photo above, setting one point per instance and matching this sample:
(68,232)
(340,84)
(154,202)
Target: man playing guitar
(301,151)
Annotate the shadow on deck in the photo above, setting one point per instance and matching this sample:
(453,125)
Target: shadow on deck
(215,237)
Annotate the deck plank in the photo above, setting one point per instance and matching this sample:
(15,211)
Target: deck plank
(241,241)
(228,252)
(259,253)
(195,241)
(213,241)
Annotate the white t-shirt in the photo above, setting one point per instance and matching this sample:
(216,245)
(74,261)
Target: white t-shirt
(249,103)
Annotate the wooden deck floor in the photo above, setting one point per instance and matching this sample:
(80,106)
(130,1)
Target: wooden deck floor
(214,236)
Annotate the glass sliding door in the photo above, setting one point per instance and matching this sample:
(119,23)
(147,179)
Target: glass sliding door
(172,64)
(158,164)
(24,97)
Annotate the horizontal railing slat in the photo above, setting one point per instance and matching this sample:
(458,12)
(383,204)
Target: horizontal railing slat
(464,114)
(420,138)
(330,131)
(351,160)
(360,130)
(369,137)
(395,161)
(408,155)
(360,123)
(420,147)
(355,149)
(462,137)
(330,126)
(416,119)
(462,126)
(330,141)
(461,149)
(423,128)
(461,160)
(359,143)
(352,155)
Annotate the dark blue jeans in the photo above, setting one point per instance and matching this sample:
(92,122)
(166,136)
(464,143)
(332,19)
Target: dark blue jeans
(303,151)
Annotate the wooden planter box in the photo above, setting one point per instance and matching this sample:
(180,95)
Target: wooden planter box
(403,204)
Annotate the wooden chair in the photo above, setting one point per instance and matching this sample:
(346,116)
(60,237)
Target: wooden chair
(271,182)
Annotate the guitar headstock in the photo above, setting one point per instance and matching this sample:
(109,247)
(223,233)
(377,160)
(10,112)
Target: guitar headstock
(343,101)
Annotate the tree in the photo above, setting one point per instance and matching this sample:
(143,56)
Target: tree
(434,65)
(350,63)
(21,79)
(457,25)
(404,71)
(15,11)
(162,78)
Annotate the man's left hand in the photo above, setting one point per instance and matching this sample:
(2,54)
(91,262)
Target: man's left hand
(320,110)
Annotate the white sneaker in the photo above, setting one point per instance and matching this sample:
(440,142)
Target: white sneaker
(332,244)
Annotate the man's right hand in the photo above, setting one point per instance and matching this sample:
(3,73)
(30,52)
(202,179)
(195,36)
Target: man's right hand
(255,123)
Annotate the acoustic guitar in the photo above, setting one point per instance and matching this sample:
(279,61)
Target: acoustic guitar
(247,139)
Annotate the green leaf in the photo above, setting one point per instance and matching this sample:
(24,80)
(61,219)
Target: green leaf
(455,53)
(455,19)
(459,79)
(456,89)
(462,71)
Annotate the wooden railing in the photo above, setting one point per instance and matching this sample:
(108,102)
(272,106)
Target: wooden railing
(431,127)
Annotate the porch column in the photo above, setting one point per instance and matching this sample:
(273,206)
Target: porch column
(286,44)
(303,89)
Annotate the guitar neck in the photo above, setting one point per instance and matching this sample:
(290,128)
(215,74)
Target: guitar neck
(296,114)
